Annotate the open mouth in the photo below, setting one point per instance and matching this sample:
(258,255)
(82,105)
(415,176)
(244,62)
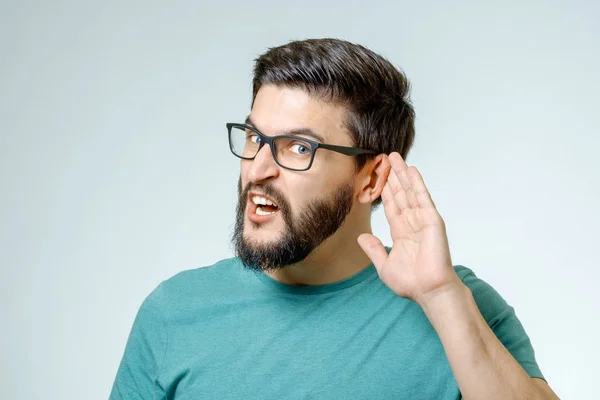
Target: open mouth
(263,205)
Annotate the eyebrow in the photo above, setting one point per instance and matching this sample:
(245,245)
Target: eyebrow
(294,132)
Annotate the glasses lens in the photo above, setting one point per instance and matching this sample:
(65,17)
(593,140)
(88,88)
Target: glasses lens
(293,153)
(244,142)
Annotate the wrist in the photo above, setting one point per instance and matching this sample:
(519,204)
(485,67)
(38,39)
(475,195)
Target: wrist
(453,313)
(452,292)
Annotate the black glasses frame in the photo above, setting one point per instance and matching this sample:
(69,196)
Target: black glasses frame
(264,139)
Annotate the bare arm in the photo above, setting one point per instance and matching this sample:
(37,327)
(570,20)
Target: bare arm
(482,366)
(419,267)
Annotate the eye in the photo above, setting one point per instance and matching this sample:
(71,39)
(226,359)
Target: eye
(300,148)
(253,137)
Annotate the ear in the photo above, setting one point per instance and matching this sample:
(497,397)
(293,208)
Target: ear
(372,178)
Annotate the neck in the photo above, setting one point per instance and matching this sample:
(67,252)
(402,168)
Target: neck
(337,258)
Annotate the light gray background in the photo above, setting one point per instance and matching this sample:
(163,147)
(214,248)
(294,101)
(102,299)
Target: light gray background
(115,172)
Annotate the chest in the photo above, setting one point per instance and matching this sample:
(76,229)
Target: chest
(329,348)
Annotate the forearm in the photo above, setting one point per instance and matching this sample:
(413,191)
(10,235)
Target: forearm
(482,366)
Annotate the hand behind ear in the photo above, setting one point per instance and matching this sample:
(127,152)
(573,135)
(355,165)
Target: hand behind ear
(373,178)
(419,262)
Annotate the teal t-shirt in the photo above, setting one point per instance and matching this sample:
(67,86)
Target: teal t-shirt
(226,332)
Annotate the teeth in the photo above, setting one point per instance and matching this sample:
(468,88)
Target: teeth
(259,200)
(260,211)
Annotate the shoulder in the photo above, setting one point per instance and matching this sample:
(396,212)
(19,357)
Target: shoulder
(192,287)
(477,285)
(502,319)
(490,303)
(194,279)
(464,272)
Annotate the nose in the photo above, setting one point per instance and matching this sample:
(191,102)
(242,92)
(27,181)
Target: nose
(263,167)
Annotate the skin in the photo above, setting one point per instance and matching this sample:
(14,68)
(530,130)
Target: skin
(419,266)
(278,111)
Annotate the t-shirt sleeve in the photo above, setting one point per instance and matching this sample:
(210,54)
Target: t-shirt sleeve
(137,375)
(502,320)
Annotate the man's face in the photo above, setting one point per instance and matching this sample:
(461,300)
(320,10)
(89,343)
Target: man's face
(307,206)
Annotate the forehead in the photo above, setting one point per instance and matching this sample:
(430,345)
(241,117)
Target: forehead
(277,110)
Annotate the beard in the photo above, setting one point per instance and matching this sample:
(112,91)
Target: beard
(320,219)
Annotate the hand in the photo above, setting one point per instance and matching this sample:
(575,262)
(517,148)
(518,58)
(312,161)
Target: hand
(419,263)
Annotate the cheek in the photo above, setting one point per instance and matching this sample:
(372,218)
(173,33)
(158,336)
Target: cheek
(329,179)
(302,193)
(321,180)
(299,192)
(244,174)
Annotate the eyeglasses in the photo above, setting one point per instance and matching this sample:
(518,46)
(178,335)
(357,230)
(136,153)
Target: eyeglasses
(291,152)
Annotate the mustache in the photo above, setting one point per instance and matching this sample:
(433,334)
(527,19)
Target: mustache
(269,190)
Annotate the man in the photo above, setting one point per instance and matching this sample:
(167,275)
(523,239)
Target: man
(314,306)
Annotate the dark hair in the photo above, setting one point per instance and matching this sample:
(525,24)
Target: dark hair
(375,93)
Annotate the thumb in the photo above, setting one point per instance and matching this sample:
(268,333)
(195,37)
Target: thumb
(373,248)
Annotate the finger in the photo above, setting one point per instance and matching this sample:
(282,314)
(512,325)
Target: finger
(396,161)
(397,190)
(410,193)
(400,168)
(393,213)
(418,184)
(374,249)
(390,208)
